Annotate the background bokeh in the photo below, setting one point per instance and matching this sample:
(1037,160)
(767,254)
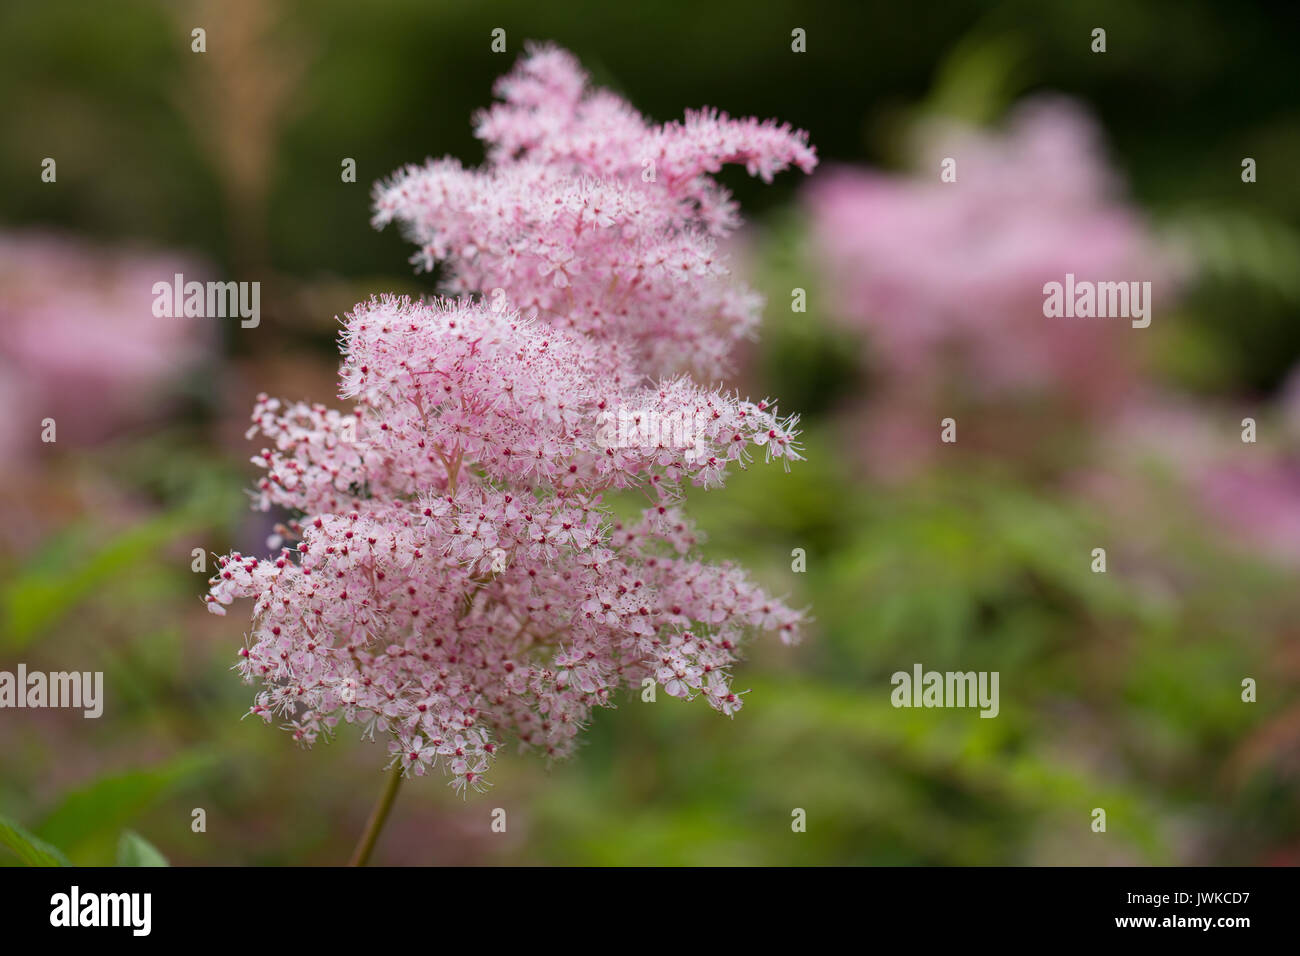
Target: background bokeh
(1119,690)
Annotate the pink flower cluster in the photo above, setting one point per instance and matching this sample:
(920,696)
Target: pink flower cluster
(1258,504)
(947,277)
(81,344)
(594,219)
(1244,494)
(1252,491)
(459,577)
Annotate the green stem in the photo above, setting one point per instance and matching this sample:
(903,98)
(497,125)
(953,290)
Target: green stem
(377,818)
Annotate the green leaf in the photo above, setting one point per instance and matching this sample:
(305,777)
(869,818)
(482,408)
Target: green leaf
(979,78)
(30,849)
(135,850)
(110,803)
(36,598)
(1245,247)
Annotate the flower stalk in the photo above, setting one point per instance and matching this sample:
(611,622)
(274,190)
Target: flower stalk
(378,817)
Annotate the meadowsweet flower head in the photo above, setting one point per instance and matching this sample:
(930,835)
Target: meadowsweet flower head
(594,219)
(459,579)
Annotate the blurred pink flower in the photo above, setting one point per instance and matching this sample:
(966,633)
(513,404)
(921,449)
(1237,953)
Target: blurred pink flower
(1254,490)
(946,278)
(928,266)
(80,342)
(1258,504)
(1248,494)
